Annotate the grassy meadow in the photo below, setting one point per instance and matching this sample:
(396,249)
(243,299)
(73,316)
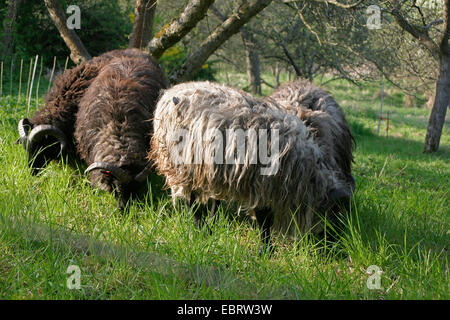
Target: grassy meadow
(400,222)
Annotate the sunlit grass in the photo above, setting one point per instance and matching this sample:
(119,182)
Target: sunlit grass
(400,222)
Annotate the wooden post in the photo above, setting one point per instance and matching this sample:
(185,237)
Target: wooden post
(387,125)
(20,79)
(381,107)
(1,79)
(11,76)
(51,75)
(37,87)
(31,85)
(29,77)
(65,65)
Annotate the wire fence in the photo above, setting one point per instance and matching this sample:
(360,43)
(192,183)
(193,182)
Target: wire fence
(39,79)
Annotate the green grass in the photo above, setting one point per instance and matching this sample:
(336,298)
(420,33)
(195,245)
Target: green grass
(400,222)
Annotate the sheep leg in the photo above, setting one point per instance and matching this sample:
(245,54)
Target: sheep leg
(212,214)
(199,212)
(264,217)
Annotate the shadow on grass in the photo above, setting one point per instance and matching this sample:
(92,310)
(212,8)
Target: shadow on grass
(56,238)
(378,209)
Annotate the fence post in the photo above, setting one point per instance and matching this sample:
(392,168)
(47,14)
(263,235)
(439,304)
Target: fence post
(11,76)
(31,85)
(20,80)
(381,107)
(29,77)
(65,65)
(1,80)
(51,75)
(39,80)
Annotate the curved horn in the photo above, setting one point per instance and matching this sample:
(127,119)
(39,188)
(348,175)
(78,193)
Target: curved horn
(117,172)
(351,181)
(47,130)
(141,176)
(24,128)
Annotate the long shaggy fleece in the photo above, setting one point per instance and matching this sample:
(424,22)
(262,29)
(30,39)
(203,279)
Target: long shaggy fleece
(323,116)
(299,188)
(62,102)
(113,123)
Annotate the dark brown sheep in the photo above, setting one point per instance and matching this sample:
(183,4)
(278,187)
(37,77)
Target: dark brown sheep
(50,131)
(101,112)
(113,124)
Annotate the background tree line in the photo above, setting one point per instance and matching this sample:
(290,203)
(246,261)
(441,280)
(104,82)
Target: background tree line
(309,39)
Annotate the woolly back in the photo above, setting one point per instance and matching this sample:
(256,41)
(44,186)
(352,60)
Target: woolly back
(197,108)
(323,115)
(114,118)
(62,102)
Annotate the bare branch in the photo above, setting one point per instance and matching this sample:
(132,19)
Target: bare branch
(217,13)
(416,32)
(175,30)
(291,60)
(240,16)
(307,25)
(226,59)
(267,84)
(434,23)
(333,2)
(78,52)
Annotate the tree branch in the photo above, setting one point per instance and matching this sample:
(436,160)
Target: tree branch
(240,16)
(267,84)
(78,52)
(433,23)
(416,32)
(175,30)
(144,13)
(291,60)
(333,2)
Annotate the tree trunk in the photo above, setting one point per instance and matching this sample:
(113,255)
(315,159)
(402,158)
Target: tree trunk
(175,30)
(222,33)
(144,14)
(442,91)
(8,26)
(440,106)
(251,56)
(297,70)
(253,64)
(441,53)
(277,75)
(78,52)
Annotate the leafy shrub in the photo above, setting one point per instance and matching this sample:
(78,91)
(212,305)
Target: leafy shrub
(105,25)
(174,57)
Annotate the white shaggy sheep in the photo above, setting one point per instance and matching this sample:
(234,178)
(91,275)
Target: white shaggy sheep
(324,117)
(300,184)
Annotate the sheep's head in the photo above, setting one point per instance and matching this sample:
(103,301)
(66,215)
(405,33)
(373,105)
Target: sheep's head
(42,143)
(119,180)
(337,206)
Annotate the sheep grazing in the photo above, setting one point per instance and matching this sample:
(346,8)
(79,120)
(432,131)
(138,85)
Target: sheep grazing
(101,110)
(113,124)
(49,133)
(324,118)
(277,168)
